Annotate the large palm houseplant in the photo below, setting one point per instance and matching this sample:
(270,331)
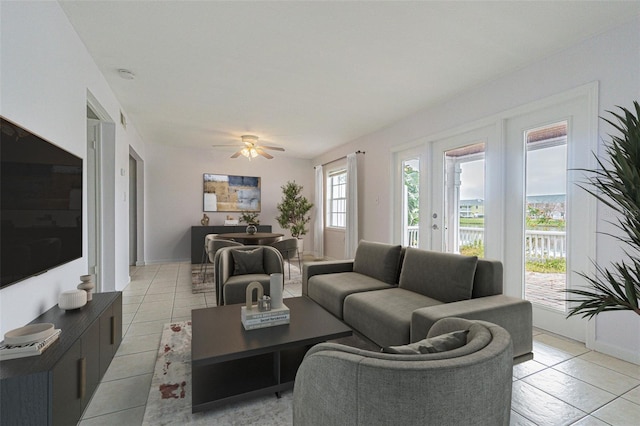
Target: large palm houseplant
(294,209)
(616,183)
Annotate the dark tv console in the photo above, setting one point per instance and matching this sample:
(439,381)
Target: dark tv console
(199,232)
(54,388)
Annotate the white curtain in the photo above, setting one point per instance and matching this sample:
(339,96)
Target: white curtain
(318,227)
(351,237)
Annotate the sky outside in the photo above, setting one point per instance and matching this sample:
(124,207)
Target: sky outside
(546,174)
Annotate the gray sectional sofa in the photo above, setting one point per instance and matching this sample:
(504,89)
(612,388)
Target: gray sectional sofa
(393,295)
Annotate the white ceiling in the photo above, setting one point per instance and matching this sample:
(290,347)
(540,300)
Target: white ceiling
(309,76)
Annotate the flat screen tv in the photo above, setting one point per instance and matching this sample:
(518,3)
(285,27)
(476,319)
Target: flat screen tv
(40,204)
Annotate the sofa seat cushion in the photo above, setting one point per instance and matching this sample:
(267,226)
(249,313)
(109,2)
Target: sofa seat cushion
(384,316)
(445,277)
(235,288)
(378,260)
(330,290)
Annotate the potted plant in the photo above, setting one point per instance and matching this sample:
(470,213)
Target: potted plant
(293,211)
(251,219)
(616,184)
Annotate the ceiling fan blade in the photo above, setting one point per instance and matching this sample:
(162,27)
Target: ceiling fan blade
(228,145)
(236,155)
(264,154)
(275,148)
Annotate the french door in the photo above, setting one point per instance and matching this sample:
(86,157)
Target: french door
(549,221)
(464,205)
(508,191)
(410,188)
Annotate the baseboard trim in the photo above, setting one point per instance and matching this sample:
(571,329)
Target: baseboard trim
(615,351)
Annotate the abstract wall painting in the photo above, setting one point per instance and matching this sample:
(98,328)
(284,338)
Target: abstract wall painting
(227,193)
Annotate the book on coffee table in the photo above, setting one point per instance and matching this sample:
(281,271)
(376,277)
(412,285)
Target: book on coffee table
(253,318)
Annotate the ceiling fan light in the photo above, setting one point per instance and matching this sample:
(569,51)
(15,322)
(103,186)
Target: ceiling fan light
(249,138)
(251,149)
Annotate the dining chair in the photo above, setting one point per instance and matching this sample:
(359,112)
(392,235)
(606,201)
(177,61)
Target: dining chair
(213,245)
(205,251)
(288,248)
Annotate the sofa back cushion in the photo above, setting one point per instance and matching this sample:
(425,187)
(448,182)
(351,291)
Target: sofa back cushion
(488,278)
(378,260)
(442,276)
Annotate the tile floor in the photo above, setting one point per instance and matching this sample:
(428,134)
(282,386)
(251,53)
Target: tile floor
(565,384)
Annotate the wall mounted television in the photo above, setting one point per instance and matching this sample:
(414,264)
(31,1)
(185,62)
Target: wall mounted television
(40,204)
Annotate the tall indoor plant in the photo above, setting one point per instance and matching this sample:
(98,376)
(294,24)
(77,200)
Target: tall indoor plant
(294,209)
(616,183)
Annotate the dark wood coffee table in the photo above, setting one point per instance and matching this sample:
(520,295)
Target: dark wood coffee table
(231,364)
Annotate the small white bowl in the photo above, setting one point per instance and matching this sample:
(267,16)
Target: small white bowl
(72,299)
(29,333)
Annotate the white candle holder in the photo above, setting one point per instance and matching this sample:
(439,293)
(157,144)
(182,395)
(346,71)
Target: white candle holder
(275,290)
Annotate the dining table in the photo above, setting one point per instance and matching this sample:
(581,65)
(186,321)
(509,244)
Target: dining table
(258,238)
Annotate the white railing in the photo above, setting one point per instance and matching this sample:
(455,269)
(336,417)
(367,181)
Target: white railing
(413,234)
(468,236)
(538,244)
(545,245)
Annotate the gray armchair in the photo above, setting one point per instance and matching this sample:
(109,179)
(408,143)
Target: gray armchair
(236,267)
(341,385)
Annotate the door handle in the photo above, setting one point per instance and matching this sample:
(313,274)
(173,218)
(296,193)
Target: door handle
(82,382)
(435,227)
(113,330)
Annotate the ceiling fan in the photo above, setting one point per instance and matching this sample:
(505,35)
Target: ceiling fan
(252,149)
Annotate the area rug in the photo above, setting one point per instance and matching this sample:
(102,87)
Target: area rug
(169,401)
(203,282)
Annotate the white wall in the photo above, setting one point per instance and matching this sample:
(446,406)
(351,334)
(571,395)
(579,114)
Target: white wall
(45,73)
(174,178)
(612,58)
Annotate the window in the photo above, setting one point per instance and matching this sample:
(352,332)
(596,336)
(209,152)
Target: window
(337,199)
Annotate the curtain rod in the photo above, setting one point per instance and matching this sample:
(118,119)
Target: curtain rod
(341,158)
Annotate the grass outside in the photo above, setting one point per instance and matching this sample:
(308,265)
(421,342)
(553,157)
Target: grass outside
(475,249)
(475,222)
(540,224)
(547,266)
